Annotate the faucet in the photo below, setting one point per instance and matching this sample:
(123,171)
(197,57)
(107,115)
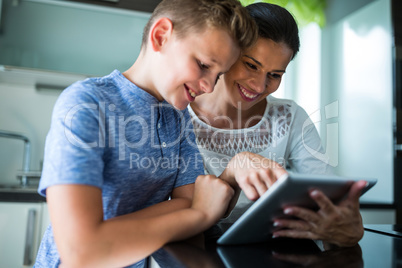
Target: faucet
(27,152)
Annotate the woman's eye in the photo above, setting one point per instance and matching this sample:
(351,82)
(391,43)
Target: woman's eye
(252,66)
(274,75)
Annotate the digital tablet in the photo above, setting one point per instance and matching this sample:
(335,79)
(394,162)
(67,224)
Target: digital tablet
(256,224)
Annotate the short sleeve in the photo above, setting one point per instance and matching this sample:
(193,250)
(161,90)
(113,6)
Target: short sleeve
(73,151)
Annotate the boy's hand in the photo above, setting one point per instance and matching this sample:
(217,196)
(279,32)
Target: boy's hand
(211,197)
(253,173)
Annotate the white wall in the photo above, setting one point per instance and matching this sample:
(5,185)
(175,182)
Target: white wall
(357,73)
(342,77)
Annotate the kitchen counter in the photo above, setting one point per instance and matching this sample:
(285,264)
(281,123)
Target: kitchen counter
(16,193)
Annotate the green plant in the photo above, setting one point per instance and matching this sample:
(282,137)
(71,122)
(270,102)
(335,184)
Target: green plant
(305,11)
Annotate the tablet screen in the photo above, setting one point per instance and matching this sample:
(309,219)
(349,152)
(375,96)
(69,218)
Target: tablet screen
(256,224)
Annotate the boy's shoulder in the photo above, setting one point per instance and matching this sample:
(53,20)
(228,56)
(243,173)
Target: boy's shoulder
(87,89)
(94,85)
(113,88)
(118,94)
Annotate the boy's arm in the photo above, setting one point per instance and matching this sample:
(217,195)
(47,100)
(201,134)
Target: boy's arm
(181,198)
(84,239)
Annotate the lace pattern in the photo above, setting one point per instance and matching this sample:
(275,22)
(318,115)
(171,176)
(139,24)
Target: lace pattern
(273,126)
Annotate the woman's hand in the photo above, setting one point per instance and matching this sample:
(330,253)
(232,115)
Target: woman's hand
(253,173)
(340,225)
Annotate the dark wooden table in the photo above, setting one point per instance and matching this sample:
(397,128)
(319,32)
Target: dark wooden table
(381,247)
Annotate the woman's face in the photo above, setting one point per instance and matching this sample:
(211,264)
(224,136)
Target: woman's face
(256,74)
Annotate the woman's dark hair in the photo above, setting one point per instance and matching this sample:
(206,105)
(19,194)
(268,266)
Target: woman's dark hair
(276,23)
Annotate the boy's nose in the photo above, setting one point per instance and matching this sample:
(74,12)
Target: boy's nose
(207,86)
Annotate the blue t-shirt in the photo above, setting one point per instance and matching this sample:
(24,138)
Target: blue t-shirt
(108,133)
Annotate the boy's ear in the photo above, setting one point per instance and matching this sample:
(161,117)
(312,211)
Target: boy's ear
(160,33)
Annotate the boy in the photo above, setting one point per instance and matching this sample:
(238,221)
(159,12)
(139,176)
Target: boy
(117,149)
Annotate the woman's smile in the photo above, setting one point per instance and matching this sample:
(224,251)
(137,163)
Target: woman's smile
(246,94)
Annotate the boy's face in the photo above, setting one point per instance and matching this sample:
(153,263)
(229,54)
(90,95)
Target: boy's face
(191,65)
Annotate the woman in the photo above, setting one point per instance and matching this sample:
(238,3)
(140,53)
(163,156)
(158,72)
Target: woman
(241,118)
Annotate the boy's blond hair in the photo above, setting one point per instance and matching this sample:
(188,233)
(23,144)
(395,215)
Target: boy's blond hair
(194,16)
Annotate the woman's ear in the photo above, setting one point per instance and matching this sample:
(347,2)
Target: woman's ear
(160,33)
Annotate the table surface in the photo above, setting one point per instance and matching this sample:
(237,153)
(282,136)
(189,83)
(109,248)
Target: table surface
(381,246)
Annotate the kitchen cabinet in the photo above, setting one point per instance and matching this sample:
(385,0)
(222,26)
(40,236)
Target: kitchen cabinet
(138,5)
(21,230)
(69,36)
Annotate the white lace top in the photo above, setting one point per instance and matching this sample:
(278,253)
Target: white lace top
(284,134)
